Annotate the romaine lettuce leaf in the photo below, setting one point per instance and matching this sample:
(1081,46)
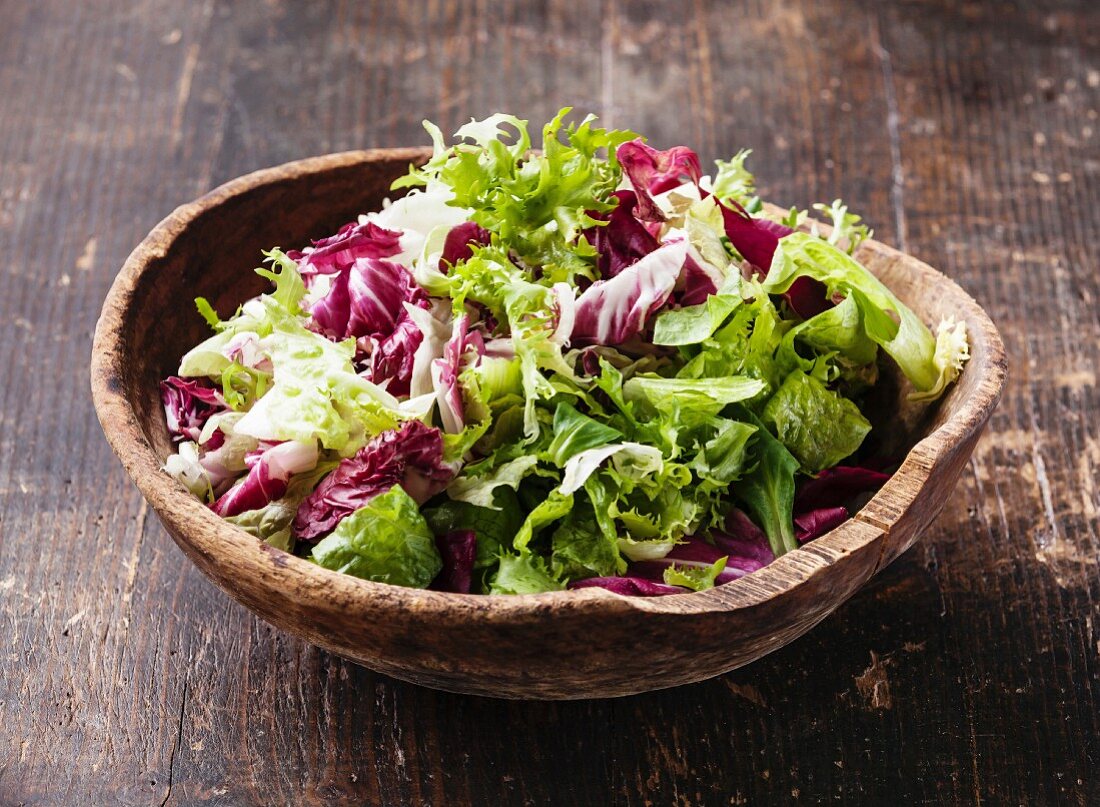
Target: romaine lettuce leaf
(694,324)
(710,394)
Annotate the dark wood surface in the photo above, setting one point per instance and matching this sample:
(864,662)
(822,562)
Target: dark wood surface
(967,133)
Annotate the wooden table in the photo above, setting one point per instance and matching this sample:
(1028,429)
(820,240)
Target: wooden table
(967,133)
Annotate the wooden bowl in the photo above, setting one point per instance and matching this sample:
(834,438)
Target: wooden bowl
(562,645)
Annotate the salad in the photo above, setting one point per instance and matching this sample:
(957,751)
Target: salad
(588,365)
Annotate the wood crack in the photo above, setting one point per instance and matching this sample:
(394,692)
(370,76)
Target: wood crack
(176,748)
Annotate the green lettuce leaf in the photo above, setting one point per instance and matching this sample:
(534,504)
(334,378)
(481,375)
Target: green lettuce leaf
(697,578)
(768,490)
(581,548)
(838,330)
(709,394)
(480,490)
(732,181)
(724,456)
(575,432)
(847,231)
(696,323)
(524,574)
(494,527)
(819,427)
(317,395)
(556,505)
(537,204)
(387,541)
(929,362)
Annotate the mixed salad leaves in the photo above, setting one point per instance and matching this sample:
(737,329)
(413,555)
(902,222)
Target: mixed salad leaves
(589,365)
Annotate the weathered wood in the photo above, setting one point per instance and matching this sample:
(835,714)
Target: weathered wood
(965,132)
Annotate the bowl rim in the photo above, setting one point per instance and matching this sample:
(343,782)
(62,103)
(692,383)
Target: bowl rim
(213,535)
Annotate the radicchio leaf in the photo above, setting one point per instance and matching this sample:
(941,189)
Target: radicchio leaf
(366,301)
(693,553)
(651,172)
(445,373)
(459,242)
(268,476)
(411,456)
(459,551)
(188,403)
(698,282)
(338,252)
(392,358)
(744,542)
(808,297)
(814,523)
(836,486)
(611,312)
(377,290)
(756,240)
(624,240)
(629,586)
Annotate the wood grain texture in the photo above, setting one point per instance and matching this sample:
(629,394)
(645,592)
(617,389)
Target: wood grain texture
(965,131)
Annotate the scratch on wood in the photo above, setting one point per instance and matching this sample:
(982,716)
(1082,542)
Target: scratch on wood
(873,684)
(1076,380)
(748,692)
(184,92)
(1044,485)
(897,183)
(607,62)
(79,615)
(87,258)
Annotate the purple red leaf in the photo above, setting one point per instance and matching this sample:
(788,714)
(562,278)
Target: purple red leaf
(411,456)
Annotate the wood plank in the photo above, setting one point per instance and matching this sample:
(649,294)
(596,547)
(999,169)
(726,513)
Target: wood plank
(966,133)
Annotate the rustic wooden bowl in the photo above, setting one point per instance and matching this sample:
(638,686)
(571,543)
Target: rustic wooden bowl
(563,645)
